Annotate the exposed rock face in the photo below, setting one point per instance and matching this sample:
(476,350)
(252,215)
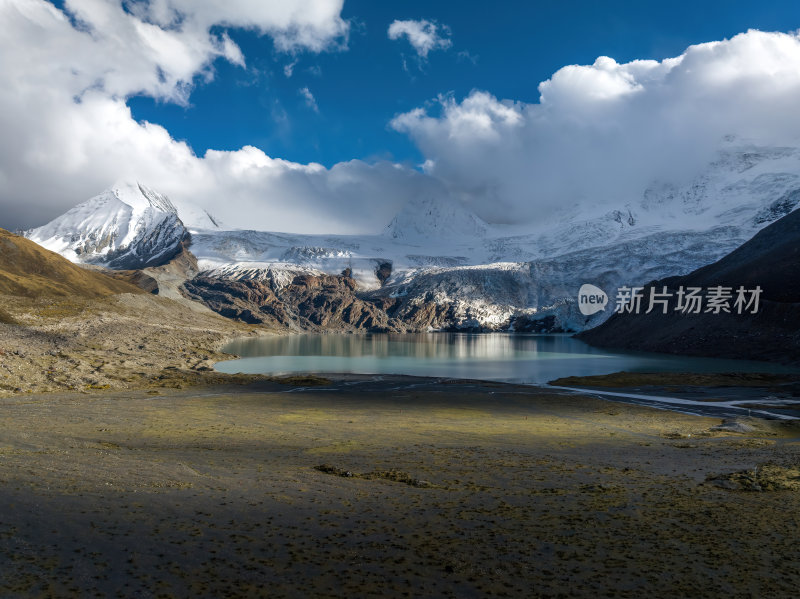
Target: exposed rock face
(383,271)
(321,303)
(241,300)
(170,277)
(330,303)
(309,303)
(770,260)
(526,324)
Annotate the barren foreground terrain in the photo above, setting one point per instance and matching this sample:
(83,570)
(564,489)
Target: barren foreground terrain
(124,341)
(389,487)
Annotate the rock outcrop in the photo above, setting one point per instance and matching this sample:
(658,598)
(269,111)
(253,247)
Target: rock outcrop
(318,303)
(309,303)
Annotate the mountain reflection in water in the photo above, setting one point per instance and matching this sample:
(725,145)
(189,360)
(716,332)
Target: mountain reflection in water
(494,357)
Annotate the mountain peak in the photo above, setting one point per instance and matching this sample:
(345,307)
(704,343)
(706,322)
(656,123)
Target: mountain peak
(139,196)
(435,218)
(126,226)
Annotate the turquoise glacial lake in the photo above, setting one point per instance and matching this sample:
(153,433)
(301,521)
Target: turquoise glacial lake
(515,358)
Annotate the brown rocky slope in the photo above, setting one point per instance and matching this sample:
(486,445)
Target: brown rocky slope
(27,269)
(314,303)
(63,327)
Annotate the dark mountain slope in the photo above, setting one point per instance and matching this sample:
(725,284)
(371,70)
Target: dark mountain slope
(770,260)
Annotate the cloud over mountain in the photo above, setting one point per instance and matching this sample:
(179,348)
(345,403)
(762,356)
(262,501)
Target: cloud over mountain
(69,133)
(599,133)
(602,132)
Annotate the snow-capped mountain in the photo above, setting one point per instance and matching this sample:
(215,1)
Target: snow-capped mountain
(127,226)
(439,251)
(436,250)
(435,218)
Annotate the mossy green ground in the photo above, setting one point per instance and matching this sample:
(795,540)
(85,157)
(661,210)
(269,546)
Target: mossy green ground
(218,491)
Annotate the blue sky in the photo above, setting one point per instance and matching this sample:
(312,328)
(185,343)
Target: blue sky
(506,48)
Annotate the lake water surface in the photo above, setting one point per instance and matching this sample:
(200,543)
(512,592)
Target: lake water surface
(513,358)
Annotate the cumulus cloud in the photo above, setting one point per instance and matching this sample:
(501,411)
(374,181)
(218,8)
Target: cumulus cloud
(425,36)
(68,132)
(598,135)
(314,25)
(601,133)
(154,47)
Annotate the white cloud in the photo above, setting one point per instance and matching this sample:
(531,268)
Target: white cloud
(423,35)
(314,25)
(599,132)
(156,47)
(80,149)
(68,133)
(309,98)
(465,55)
(602,132)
